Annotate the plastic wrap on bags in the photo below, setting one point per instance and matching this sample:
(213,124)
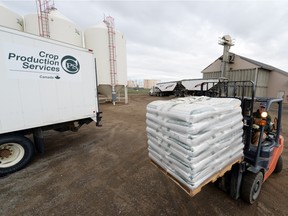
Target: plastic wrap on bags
(195,137)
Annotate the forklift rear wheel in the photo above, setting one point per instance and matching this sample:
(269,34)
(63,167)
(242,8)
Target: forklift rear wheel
(251,186)
(279,165)
(16,151)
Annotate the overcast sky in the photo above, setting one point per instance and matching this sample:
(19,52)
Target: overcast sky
(173,40)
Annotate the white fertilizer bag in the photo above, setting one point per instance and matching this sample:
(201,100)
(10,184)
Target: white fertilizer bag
(194,138)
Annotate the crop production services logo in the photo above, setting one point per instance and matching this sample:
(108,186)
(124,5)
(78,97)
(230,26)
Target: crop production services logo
(70,64)
(29,63)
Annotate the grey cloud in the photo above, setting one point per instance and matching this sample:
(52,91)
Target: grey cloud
(171,39)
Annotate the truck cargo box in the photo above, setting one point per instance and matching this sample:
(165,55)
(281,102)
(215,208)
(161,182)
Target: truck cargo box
(44,82)
(44,85)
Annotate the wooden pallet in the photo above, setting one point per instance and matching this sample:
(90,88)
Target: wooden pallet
(212,179)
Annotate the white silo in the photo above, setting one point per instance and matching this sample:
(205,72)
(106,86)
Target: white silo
(97,39)
(121,55)
(60,27)
(10,19)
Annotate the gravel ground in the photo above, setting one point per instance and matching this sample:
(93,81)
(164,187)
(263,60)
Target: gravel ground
(106,171)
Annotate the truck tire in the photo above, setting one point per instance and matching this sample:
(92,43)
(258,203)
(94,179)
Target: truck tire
(16,151)
(279,165)
(251,186)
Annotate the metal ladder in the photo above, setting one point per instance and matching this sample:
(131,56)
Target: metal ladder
(109,21)
(43,9)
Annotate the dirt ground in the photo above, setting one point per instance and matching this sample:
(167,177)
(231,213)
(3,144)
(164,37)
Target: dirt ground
(106,171)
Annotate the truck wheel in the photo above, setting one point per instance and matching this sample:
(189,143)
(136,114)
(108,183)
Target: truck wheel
(16,151)
(279,165)
(251,186)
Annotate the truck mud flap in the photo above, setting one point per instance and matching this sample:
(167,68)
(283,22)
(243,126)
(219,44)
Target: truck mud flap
(38,140)
(98,119)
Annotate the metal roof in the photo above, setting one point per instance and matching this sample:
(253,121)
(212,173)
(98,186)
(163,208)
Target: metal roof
(257,63)
(264,66)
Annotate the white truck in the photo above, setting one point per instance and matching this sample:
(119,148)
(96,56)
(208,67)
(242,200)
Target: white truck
(44,85)
(166,89)
(197,87)
(183,87)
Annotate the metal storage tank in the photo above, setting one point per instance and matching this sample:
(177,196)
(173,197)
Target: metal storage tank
(10,19)
(97,39)
(60,28)
(121,54)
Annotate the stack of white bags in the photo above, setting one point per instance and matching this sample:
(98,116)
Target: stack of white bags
(194,138)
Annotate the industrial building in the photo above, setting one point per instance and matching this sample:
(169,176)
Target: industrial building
(149,83)
(269,81)
(146,83)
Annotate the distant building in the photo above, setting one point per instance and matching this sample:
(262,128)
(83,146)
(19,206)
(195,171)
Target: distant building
(270,81)
(148,84)
(132,83)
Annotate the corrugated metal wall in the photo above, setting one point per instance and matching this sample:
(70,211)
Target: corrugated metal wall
(241,75)
(211,75)
(259,76)
(262,83)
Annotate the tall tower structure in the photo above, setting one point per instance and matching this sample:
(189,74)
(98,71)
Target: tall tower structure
(227,42)
(43,9)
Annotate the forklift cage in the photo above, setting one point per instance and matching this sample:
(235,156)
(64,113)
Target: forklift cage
(245,92)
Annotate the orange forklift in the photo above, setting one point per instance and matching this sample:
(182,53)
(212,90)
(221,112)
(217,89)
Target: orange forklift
(245,179)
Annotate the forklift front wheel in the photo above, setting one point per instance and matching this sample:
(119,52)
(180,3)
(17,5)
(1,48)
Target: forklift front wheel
(251,186)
